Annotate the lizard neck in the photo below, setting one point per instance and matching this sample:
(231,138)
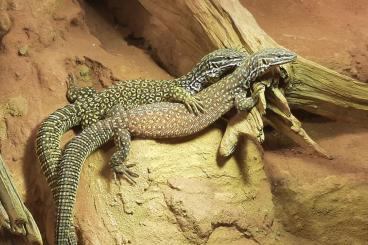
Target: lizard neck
(194,80)
(219,97)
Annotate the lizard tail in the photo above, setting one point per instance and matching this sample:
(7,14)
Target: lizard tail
(74,155)
(48,140)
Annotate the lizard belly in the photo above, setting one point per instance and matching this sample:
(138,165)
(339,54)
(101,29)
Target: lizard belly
(166,120)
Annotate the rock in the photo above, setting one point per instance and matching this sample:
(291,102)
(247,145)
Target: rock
(319,199)
(3,5)
(331,209)
(5,23)
(84,70)
(16,107)
(23,51)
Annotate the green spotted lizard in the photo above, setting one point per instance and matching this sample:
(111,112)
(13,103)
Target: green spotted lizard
(158,120)
(90,106)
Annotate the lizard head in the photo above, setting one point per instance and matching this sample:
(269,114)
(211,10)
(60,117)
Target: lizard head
(221,62)
(264,60)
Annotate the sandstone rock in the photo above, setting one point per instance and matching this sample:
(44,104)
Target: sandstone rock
(5,23)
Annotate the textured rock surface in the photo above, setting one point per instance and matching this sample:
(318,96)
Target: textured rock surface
(317,198)
(184,194)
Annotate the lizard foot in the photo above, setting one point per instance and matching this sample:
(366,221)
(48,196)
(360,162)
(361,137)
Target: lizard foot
(194,105)
(124,170)
(70,81)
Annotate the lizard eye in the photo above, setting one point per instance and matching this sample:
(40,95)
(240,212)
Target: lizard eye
(264,62)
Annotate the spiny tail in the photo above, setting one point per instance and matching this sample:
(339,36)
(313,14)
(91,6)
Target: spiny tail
(48,140)
(76,152)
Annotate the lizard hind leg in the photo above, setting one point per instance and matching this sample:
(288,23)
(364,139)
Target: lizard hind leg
(75,93)
(122,140)
(93,115)
(89,117)
(244,103)
(115,110)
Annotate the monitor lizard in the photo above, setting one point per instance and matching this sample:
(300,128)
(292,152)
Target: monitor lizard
(90,106)
(158,120)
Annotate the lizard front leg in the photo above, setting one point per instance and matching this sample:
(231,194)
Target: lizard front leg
(244,103)
(193,104)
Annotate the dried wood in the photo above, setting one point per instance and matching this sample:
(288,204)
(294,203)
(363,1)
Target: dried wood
(15,217)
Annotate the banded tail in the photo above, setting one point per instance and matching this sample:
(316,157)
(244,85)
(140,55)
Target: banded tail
(74,156)
(48,140)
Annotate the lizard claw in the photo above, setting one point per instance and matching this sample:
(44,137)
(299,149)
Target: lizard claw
(71,88)
(123,169)
(194,106)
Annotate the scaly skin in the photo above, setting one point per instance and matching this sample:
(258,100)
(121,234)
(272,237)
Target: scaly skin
(159,120)
(91,106)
